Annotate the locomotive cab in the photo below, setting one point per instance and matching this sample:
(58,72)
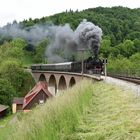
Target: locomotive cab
(94,65)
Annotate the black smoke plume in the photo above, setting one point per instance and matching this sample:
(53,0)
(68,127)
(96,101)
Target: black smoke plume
(86,36)
(89,35)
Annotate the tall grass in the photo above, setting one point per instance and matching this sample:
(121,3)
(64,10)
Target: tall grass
(113,114)
(56,119)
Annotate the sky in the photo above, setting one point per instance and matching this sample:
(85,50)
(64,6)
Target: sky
(19,10)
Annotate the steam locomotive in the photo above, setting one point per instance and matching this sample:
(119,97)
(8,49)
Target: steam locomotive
(90,66)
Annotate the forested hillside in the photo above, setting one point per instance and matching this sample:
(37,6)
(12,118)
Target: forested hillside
(121,34)
(117,23)
(24,43)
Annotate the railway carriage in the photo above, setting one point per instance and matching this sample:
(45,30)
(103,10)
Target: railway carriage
(89,66)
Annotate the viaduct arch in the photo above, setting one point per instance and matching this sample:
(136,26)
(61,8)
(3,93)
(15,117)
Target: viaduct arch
(58,81)
(52,85)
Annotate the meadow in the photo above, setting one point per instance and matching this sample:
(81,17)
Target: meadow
(88,111)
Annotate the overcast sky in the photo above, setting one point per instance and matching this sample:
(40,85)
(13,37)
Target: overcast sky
(23,9)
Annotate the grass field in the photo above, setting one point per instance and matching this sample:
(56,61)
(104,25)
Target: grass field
(54,120)
(86,112)
(114,114)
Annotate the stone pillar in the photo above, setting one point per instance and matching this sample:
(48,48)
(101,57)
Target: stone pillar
(14,108)
(52,90)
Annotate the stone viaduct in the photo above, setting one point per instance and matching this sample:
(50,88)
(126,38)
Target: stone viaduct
(60,80)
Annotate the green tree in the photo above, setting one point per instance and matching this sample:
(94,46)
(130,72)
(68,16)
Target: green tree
(18,43)
(13,72)
(105,47)
(126,48)
(14,52)
(135,60)
(40,49)
(137,45)
(7,92)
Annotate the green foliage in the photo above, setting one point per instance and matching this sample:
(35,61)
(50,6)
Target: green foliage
(17,77)
(120,65)
(18,43)
(12,50)
(105,47)
(120,27)
(126,48)
(135,62)
(7,92)
(121,44)
(124,66)
(137,45)
(40,49)
(15,81)
(118,23)
(16,49)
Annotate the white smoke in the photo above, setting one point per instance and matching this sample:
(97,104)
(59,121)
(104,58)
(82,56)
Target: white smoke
(62,45)
(63,40)
(32,35)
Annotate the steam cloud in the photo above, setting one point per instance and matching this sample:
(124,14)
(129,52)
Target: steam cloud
(32,35)
(87,35)
(64,42)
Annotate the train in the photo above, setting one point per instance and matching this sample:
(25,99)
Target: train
(88,66)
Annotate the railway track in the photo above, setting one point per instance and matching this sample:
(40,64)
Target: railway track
(135,80)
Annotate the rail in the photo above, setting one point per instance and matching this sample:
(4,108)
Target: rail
(135,80)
